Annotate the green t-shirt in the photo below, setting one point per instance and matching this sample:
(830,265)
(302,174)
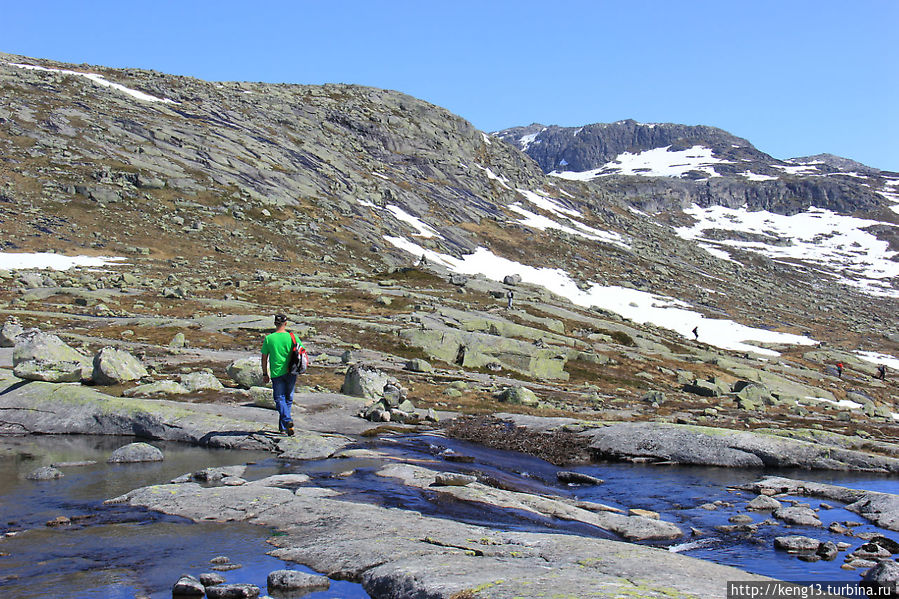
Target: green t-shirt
(277,346)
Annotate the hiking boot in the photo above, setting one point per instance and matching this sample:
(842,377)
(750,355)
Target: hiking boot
(290,429)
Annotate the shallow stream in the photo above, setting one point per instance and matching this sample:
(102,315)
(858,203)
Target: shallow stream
(117,551)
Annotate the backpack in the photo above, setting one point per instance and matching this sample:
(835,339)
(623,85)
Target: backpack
(298,360)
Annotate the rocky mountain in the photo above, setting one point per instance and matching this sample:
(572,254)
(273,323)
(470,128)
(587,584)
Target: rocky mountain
(619,292)
(397,224)
(697,164)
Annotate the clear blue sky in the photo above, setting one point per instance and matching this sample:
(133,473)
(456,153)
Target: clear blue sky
(793,77)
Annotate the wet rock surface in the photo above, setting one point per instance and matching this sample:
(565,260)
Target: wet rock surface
(401,553)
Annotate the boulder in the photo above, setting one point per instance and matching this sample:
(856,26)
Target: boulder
(512,279)
(796,543)
(178,341)
(884,577)
(188,586)
(653,396)
(10,332)
(888,544)
(45,473)
(201,381)
(296,581)
(246,372)
(755,393)
(702,388)
(360,381)
(828,551)
(113,366)
(799,516)
(763,502)
(393,394)
(157,389)
(48,354)
(262,398)
(520,396)
(419,365)
(232,591)
(50,372)
(135,452)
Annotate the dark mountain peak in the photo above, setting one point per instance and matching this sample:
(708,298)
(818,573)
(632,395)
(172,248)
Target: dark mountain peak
(593,146)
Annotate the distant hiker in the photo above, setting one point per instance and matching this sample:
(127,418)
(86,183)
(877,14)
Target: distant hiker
(696,332)
(276,352)
(423,261)
(509,296)
(840,369)
(882,372)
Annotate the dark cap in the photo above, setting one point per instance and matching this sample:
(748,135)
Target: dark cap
(280,319)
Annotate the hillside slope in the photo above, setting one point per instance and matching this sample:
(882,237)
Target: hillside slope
(225,190)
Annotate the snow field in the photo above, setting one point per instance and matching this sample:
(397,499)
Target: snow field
(658,162)
(638,306)
(817,236)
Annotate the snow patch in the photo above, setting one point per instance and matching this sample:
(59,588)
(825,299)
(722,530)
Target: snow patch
(20,261)
(491,175)
(658,162)
(639,306)
(486,139)
(798,170)
(757,177)
(422,229)
(876,358)
(99,80)
(818,236)
(527,140)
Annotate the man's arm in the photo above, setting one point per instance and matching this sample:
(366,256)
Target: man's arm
(265,378)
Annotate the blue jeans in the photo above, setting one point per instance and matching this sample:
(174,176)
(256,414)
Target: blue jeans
(282,388)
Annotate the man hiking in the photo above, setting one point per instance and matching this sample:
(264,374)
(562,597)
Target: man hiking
(882,372)
(840,369)
(275,356)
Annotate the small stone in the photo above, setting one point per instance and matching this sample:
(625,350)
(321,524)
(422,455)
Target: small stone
(454,479)
(577,478)
(799,516)
(232,591)
(740,519)
(209,579)
(838,528)
(796,543)
(221,559)
(59,521)
(45,473)
(419,365)
(708,506)
(645,513)
(762,503)
(227,567)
